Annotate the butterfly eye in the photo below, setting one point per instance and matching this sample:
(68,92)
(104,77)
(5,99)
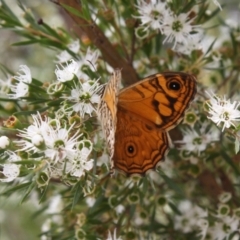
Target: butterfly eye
(131,149)
(174,85)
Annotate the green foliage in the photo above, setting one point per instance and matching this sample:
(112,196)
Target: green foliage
(195,189)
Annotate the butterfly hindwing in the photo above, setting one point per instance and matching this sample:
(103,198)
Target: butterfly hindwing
(138,145)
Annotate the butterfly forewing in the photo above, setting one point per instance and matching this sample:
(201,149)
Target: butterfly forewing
(160,99)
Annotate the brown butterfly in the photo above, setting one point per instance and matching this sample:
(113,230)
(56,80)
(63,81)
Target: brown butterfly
(136,119)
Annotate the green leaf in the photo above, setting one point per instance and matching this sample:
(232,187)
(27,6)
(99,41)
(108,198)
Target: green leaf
(174,208)
(8,100)
(28,113)
(84,14)
(43,193)
(29,190)
(235,44)
(54,33)
(16,188)
(147,48)
(158,43)
(29,42)
(173,185)
(56,102)
(77,194)
(211,46)
(6,11)
(236,146)
(39,212)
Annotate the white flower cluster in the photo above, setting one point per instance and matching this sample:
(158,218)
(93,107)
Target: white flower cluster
(189,218)
(227,221)
(62,152)
(222,111)
(90,58)
(83,97)
(54,210)
(196,218)
(197,142)
(58,148)
(178,29)
(20,89)
(10,170)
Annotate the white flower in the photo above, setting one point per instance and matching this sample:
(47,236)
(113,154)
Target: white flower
(91,59)
(152,14)
(192,142)
(10,170)
(178,29)
(4,142)
(90,201)
(46,226)
(81,166)
(74,46)
(192,43)
(55,217)
(103,159)
(195,142)
(64,56)
(119,209)
(167,167)
(223,227)
(79,163)
(20,89)
(223,111)
(67,73)
(56,142)
(203,227)
(37,140)
(114,236)
(190,215)
(60,144)
(217,4)
(55,205)
(34,134)
(84,97)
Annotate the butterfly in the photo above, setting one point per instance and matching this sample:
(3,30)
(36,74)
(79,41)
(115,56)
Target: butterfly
(136,119)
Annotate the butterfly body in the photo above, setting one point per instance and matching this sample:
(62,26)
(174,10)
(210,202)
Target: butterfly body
(144,113)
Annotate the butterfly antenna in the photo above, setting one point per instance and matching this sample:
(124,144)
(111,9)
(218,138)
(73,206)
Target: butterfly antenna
(92,65)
